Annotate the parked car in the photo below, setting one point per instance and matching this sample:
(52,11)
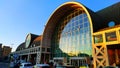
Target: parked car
(22,61)
(12,64)
(84,66)
(66,66)
(26,65)
(41,66)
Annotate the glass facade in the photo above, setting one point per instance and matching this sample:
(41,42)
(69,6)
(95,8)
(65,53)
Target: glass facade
(28,39)
(72,36)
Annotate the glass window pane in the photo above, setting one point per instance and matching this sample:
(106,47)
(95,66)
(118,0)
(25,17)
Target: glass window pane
(111,36)
(86,24)
(98,39)
(81,26)
(72,34)
(85,19)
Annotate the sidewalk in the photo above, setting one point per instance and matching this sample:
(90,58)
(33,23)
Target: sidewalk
(4,65)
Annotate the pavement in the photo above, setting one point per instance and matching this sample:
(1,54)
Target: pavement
(4,65)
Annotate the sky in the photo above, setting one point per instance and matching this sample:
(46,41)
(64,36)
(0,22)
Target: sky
(21,17)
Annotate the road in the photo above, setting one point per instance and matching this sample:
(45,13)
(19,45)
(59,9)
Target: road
(4,65)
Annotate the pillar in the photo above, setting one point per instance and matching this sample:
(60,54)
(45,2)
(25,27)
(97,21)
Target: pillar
(28,58)
(38,58)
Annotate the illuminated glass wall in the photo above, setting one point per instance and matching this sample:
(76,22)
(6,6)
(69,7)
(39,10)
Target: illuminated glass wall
(72,36)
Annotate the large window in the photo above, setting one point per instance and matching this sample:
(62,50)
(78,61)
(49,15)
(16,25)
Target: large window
(98,39)
(73,36)
(111,36)
(111,24)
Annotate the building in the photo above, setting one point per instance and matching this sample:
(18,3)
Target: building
(0,50)
(6,50)
(32,50)
(78,35)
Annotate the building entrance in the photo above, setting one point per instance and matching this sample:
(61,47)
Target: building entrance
(60,59)
(113,54)
(78,61)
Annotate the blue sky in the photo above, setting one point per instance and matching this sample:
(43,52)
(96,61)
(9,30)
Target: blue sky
(20,17)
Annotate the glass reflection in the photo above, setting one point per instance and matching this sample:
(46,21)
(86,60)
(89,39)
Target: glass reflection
(75,37)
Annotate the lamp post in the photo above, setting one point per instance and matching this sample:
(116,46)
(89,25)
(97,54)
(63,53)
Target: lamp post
(12,46)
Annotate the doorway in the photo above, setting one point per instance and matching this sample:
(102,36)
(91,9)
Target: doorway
(78,61)
(113,54)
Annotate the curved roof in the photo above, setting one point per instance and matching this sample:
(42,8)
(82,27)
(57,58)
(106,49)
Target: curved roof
(21,46)
(111,13)
(33,39)
(38,39)
(61,12)
(98,20)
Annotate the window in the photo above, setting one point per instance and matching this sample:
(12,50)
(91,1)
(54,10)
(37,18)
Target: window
(110,36)
(98,39)
(111,24)
(73,37)
(38,49)
(48,49)
(43,49)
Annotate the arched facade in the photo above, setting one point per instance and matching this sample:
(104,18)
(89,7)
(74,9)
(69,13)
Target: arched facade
(58,14)
(69,33)
(71,37)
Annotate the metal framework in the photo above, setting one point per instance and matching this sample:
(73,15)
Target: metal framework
(100,54)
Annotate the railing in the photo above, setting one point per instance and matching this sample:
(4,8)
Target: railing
(32,50)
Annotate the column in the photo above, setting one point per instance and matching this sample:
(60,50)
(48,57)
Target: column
(28,58)
(20,57)
(116,56)
(44,58)
(38,58)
